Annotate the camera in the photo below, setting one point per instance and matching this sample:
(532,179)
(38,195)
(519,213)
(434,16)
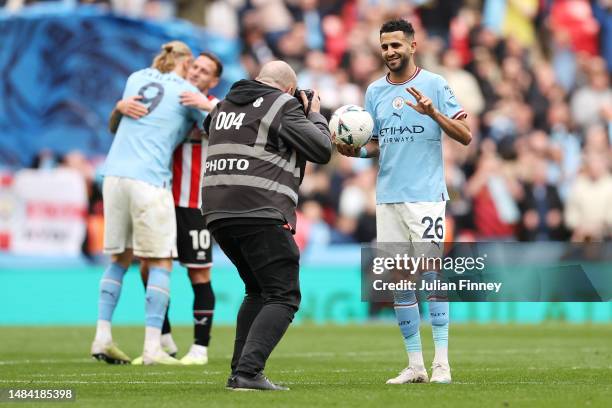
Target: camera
(309,95)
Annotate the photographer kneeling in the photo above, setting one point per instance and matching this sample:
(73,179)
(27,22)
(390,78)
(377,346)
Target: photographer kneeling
(259,141)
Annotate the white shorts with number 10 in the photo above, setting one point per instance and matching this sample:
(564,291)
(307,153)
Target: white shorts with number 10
(412,222)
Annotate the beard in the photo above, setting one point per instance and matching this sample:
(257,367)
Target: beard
(401,65)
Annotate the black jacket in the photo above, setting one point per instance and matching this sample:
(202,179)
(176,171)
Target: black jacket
(259,143)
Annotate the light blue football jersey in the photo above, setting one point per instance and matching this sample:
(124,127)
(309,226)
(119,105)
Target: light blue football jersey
(142,149)
(411,164)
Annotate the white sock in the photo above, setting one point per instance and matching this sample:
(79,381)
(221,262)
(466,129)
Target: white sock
(152,341)
(415,359)
(103,332)
(197,350)
(168,343)
(441,355)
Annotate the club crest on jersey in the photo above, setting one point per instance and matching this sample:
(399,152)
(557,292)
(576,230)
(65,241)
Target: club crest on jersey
(258,102)
(398,103)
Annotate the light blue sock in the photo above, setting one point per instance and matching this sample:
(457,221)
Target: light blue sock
(110,290)
(439,317)
(408,319)
(158,293)
(438,313)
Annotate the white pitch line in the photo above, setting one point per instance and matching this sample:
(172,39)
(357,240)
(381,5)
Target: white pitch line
(62,377)
(46,361)
(107,382)
(454,382)
(330,354)
(122,374)
(459,369)
(324,383)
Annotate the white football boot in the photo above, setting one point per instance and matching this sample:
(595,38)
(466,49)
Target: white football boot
(167,345)
(158,356)
(108,352)
(410,375)
(440,373)
(197,355)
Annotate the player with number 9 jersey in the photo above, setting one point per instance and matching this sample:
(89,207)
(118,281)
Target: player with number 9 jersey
(142,149)
(139,217)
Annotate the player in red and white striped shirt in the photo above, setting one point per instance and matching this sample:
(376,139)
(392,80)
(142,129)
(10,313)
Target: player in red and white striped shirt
(193,239)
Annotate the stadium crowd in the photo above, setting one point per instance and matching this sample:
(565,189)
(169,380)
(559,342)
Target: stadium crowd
(533,75)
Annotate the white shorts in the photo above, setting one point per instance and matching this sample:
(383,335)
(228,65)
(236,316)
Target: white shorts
(138,215)
(412,222)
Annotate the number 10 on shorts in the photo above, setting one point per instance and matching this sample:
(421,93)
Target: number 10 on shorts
(200,239)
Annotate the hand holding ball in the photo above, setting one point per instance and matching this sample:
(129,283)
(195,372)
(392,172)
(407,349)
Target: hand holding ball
(351,125)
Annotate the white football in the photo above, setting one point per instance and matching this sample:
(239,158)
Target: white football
(352,125)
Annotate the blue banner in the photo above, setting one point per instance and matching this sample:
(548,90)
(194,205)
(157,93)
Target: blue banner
(64,69)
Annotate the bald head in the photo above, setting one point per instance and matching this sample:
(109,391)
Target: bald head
(279,75)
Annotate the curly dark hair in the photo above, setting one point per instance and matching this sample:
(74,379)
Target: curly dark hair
(398,25)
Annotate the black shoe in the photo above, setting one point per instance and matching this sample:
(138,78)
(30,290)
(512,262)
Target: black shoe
(259,382)
(231,382)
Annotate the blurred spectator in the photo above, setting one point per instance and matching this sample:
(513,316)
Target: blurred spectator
(602,10)
(462,83)
(520,21)
(494,12)
(344,230)
(221,16)
(319,232)
(566,143)
(366,223)
(587,211)
(256,51)
(309,14)
(487,74)
(541,93)
(596,140)
(495,193)
(316,75)
(541,208)
(274,18)
(437,15)
(459,206)
(192,10)
(574,31)
(590,100)
(335,38)
(573,25)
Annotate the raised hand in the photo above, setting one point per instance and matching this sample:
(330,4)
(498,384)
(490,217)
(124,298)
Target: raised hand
(424,105)
(132,108)
(197,100)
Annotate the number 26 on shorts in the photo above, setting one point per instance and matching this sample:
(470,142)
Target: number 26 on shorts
(433,227)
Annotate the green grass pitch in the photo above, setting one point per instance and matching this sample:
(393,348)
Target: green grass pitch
(548,365)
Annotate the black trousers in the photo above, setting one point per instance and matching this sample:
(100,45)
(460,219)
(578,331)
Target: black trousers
(267,260)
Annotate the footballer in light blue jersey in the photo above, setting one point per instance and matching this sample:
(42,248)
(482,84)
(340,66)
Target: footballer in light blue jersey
(411,108)
(143,148)
(139,217)
(411,164)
